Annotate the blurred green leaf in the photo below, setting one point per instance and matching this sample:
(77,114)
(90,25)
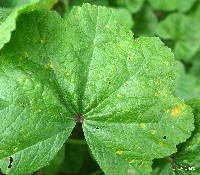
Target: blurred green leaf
(145,22)
(195,70)
(184,31)
(54,166)
(188,86)
(132,6)
(162,167)
(75,153)
(124,17)
(171,5)
(195,12)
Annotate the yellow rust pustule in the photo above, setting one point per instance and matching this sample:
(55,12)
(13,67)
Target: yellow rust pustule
(119,152)
(43,40)
(142,125)
(131,161)
(48,66)
(178,110)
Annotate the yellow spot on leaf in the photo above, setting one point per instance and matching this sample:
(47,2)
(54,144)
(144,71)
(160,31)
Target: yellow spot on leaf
(78,12)
(153,131)
(120,46)
(67,76)
(167,63)
(157,94)
(107,26)
(131,171)
(114,66)
(48,66)
(157,82)
(177,110)
(26,55)
(119,152)
(161,143)
(119,96)
(131,161)
(15,148)
(43,40)
(142,125)
(167,110)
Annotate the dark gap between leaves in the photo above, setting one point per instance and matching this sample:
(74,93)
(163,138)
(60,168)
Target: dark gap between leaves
(1,173)
(10,162)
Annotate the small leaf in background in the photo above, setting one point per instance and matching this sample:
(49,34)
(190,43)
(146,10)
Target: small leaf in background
(55,165)
(163,167)
(188,85)
(196,12)
(195,69)
(145,22)
(11,9)
(184,31)
(75,154)
(172,5)
(132,6)
(124,17)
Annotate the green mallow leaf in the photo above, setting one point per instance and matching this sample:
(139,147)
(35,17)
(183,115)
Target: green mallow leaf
(88,68)
(184,31)
(187,160)
(124,16)
(171,5)
(11,9)
(72,3)
(34,122)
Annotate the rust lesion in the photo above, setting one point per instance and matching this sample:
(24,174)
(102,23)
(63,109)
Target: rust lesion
(119,152)
(43,40)
(178,110)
